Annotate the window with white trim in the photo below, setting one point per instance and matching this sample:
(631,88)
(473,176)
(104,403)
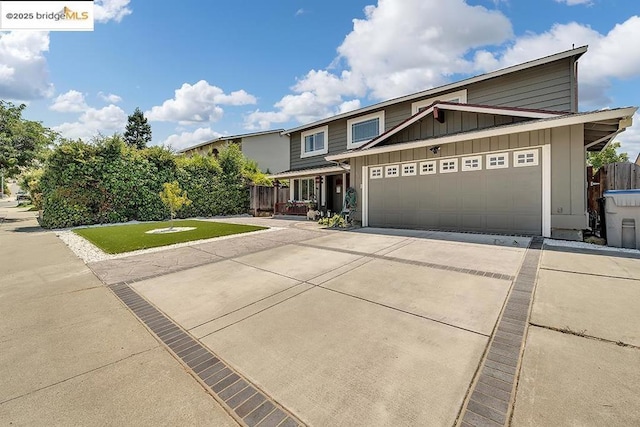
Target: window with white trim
(409,169)
(376,172)
(304,189)
(525,158)
(392,171)
(497,161)
(361,130)
(471,163)
(428,168)
(447,166)
(314,142)
(459,97)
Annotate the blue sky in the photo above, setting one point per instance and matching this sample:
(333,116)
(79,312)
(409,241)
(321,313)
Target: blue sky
(201,69)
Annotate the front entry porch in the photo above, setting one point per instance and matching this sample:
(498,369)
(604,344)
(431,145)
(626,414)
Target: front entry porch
(322,192)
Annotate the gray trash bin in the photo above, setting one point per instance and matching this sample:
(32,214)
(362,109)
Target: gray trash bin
(622,210)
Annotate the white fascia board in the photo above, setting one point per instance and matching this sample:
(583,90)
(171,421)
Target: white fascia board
(500,111)
(310,172)
(567,120)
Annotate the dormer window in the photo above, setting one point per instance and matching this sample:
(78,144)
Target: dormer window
(361,130)
(314,142)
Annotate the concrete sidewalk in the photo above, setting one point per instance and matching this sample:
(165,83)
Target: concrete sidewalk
(581,364)
(72,354)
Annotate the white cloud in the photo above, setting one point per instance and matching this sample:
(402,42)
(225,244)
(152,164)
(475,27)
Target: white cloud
(70,102)
(400,47)
(106,120)
(187,139)
(609,56)
(197,103)
(23,73)
(347,106)
(300,12)
(575,2)
(108,10)
(110,97)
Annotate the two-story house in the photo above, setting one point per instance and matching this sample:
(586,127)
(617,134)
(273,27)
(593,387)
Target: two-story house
(503,152)
(270,149)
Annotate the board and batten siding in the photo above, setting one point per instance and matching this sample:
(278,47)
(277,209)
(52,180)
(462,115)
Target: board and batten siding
(568,178)
(455,122)
(546,87)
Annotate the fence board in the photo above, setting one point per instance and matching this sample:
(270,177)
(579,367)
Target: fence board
(263,199)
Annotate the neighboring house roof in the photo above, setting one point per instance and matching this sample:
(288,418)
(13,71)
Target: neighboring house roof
(230,137)
(471,108)
(638,159)
(607,122)
(310,172)
(577,52)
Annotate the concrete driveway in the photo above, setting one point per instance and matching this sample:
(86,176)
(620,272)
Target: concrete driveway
(369,327)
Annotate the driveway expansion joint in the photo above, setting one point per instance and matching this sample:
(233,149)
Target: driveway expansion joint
(472,272)
(491,396)
(583,334)
(246,403)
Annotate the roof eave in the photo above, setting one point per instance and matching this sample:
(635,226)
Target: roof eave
(624,114)
(577,53)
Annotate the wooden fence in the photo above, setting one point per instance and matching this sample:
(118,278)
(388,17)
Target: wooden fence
(615,176)
(263,199)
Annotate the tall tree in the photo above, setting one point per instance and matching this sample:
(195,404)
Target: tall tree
(138,132)
(606,156)
(21,141)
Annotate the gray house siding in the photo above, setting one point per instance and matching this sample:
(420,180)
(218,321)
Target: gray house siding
(337,144)
(550,86)
(455,122)
(568,178)
(396,114)
(546,87)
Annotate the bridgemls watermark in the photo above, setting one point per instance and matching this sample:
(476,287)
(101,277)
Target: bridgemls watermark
(46,15)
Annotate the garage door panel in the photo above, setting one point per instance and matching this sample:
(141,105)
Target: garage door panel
(474,221)
(428,219)
(505,200)
(499,222)
(449,220)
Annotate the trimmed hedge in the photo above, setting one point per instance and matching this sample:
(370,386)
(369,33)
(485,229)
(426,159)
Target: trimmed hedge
(107,181)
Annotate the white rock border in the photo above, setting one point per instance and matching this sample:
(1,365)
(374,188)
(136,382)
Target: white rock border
(88,252)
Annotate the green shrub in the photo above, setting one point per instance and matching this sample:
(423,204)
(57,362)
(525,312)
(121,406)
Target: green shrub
(336,221)
(106,181)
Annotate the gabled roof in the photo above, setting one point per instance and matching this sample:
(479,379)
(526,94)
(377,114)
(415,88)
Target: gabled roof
(577,53)
(471,108)
(229,137)
(612,122)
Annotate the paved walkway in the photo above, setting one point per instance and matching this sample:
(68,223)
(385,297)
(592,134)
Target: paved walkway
(72,354)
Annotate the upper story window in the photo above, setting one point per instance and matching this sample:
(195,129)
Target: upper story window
(459,97)
(363,129)
(314,142)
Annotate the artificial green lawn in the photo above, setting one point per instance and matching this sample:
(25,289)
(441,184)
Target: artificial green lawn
(116,239)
